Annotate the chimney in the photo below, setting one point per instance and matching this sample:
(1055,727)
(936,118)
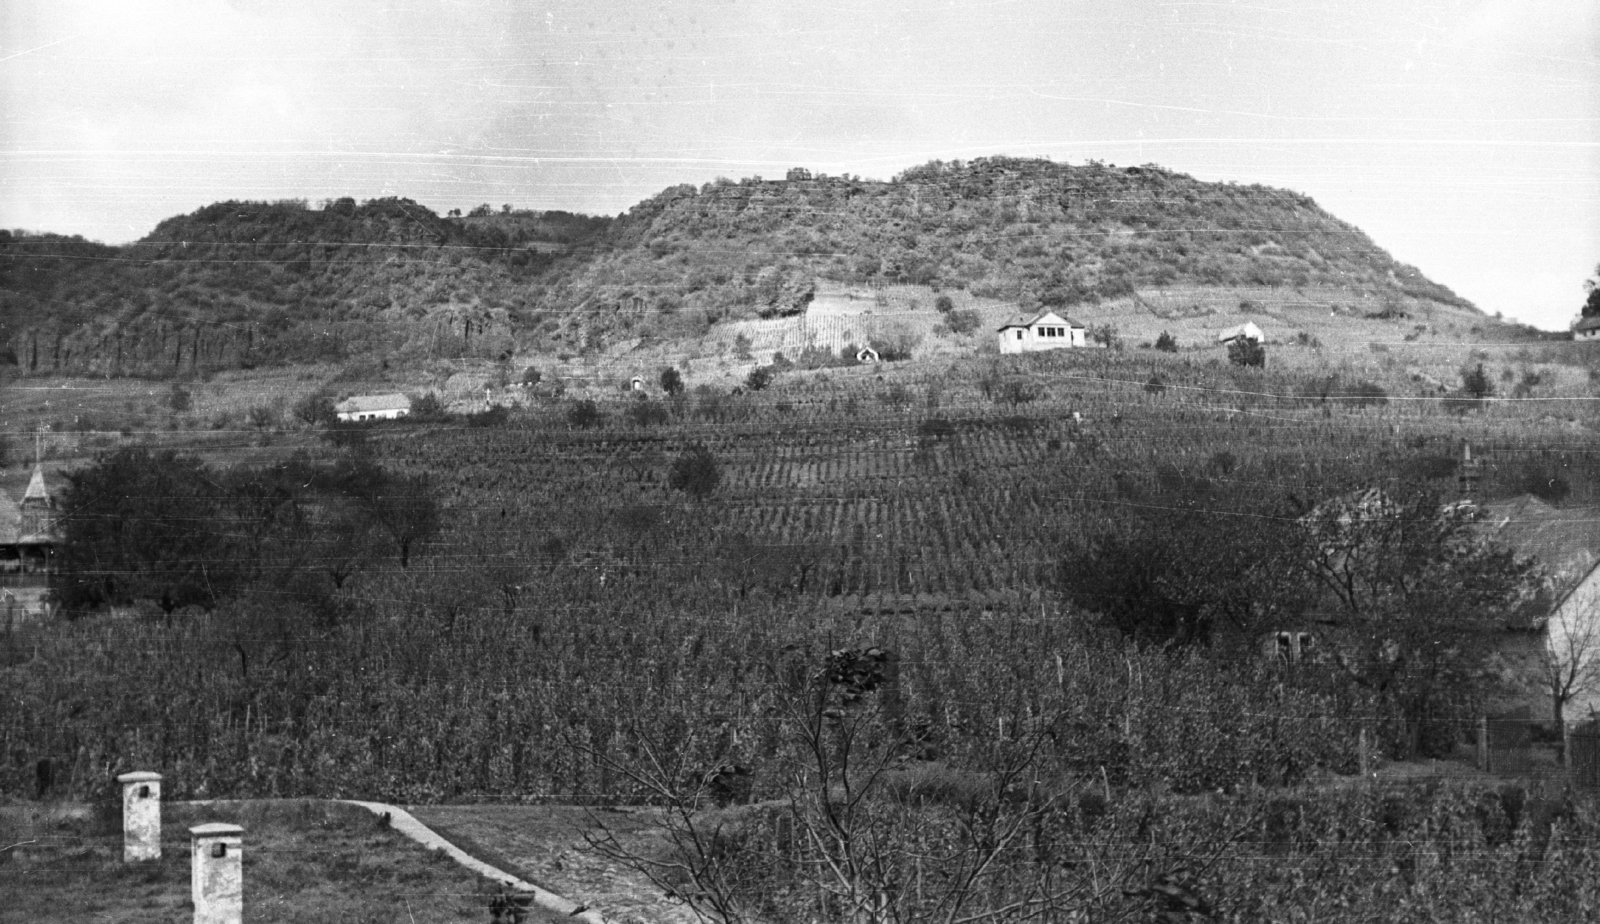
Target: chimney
(141,816)
(217,876)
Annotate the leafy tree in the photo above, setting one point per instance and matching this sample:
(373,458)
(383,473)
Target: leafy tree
(1477,383)
(760,377)
(398,506)
(1591,305)
(145,526)
(531,376)
(178,398)
(1167,343)
(647,413)
(1242,351)
(584,415)
(316,408)
(671,381)
(1412,596)
(943,304)
(429,409)
(695,472)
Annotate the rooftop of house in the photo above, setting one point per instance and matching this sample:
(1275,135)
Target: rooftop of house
(1565,540)
(368,403)
(1024,320)
(1590,323)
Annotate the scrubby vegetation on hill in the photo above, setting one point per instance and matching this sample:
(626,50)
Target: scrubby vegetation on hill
(238,283)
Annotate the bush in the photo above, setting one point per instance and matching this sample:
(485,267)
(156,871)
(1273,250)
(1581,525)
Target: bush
(1166,343)
(695,472)
(671,382)
(1476,383)
(531,376)
(760,377)
(491,417)
(962,322)
(1243,351)
(584,414)
(647,413)
(178,399)
(316,408)
(428,409)
(943,304)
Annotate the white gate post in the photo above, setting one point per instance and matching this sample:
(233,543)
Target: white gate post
(217,876)
(141,816)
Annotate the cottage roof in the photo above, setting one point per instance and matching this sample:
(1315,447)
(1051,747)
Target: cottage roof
(1248,330)
(1590,323)
(37,492)
(1024,320)
(1565,540)
(366,404)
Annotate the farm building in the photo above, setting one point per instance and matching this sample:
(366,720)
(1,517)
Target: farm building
(1586,329)
(373,407)
(1048,331)
(1246,331)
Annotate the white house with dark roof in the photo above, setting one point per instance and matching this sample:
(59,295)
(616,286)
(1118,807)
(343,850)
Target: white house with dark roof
(1048,331)
(373,407)
(1587,329)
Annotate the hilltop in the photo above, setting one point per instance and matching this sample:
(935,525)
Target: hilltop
(240,284)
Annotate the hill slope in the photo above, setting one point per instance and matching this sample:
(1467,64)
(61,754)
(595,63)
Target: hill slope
(246,283)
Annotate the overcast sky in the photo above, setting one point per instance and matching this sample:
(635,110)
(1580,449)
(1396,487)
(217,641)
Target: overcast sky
(1464,137)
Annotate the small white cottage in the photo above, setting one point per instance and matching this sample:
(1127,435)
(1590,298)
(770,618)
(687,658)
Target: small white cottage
(1048,331)
(1586,329)
(373,407)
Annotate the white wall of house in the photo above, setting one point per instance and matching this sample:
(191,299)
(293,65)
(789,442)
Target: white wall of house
(380,414)
(1572,639)
(1049,331)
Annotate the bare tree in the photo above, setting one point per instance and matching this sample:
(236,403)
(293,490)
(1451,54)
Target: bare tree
(855,829)
(1570,655)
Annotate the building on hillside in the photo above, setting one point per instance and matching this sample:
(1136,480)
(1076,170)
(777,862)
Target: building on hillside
(1586,329)
(1048,331)
(866,355)
(373,407)
(28,531)
(1246,331)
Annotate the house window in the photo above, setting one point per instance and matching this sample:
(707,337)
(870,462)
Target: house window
(1019,335)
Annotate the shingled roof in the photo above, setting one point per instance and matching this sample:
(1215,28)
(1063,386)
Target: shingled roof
(364,404)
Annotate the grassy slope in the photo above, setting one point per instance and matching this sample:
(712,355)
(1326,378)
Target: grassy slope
(303,863)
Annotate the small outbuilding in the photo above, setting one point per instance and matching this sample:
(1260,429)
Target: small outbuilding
(373,407)
(1587,329)
(866,355)
(1246,331)
(1048,331)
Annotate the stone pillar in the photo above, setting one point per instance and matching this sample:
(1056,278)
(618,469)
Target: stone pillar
(141,816)
(217,877)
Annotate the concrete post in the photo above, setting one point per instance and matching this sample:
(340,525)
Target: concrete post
(217,876)
(141,816)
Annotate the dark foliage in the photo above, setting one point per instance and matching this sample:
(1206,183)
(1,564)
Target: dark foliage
(1242,351)
(584,414)
(760,377)
(671,381)
(695,472)
(1166,343)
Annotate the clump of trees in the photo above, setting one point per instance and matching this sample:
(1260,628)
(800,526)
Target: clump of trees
(167,528)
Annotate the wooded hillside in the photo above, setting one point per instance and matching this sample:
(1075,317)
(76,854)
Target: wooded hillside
(244,283)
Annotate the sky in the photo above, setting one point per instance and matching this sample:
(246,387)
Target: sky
(1463,137)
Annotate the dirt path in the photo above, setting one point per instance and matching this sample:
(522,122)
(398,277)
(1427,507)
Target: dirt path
(544,845)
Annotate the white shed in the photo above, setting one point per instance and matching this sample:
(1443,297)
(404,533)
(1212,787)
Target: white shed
(1586,329)
(373,407)
(1246,331)
(1048,331)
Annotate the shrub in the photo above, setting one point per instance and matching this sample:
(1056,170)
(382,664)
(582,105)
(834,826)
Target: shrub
(428,409)
(695,472)
(584,414)
(531,376)
(760,377)
(943,304)
(263,416)
(1243,351)
(671,381)
(178,399)
(316,408)
(492,417)
(1166,343)
(962,322)
(1476,383)
(647,413)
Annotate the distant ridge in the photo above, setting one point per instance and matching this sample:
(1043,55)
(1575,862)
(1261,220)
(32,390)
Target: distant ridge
(238,284)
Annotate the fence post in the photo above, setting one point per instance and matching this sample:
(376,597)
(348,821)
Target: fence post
(141,816)
(216,875)
(1483,743)
(1363,754)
